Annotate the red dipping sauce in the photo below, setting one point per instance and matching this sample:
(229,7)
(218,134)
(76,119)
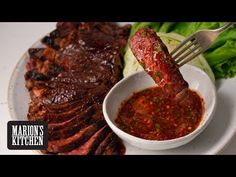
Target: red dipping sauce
(151,114)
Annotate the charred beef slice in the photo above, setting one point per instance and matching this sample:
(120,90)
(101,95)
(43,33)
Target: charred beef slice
(68,80)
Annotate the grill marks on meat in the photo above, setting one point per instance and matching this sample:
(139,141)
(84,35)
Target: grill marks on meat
(68,80)
(71,126)
(101,148)
(90,146)
(153,55)
(114,147)
(78,139)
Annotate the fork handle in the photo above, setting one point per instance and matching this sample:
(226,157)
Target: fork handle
(225,27)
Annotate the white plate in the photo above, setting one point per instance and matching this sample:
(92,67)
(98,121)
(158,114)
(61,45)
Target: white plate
(214,138)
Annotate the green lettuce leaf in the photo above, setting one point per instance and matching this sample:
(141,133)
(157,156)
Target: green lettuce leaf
(223,59)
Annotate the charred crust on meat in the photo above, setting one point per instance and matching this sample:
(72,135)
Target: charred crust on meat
(68,80)
(153,55)
(33,74)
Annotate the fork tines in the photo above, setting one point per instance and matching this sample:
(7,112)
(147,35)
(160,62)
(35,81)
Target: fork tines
(186,51)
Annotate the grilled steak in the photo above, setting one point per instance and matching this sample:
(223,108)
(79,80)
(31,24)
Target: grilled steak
(153,55)
(90,146)
(78,139)
(68,80)
(101,148)
(115,147)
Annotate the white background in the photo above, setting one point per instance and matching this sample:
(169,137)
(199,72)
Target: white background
(15,39)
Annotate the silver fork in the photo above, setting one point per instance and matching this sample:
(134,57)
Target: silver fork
(196,44)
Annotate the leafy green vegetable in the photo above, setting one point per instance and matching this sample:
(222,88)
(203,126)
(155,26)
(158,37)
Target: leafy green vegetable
(166,26)
(223,59)
(131,65)
(222,54)
(188,28)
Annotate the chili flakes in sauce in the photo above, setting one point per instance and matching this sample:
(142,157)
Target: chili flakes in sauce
(152,115)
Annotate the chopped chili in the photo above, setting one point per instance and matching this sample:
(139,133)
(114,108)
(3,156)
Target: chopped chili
(151,114)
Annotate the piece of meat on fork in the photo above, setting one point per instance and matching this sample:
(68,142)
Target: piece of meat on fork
(154,57)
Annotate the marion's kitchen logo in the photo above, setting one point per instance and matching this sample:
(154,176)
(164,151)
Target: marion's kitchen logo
(27,135)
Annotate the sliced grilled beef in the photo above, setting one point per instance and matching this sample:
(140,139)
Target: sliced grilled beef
(153,55)
(111,148)
(65,145)
(101,148)
(80,116)
(68,131)
(90,146)
(68,80)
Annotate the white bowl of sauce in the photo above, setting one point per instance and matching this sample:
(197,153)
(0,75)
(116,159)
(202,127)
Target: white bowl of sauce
(172,124)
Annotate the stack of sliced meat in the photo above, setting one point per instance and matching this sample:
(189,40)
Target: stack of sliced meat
(68,80)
